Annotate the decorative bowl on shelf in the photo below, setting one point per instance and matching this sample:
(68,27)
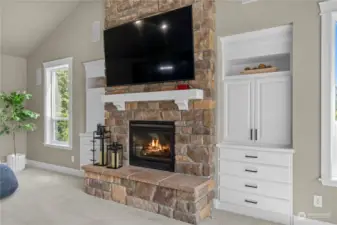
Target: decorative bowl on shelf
(262,68)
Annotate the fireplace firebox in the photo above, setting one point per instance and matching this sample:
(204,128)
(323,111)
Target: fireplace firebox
(152,144)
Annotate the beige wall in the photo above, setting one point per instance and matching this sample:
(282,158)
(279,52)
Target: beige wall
(13,77)
(234,18)
(71,39)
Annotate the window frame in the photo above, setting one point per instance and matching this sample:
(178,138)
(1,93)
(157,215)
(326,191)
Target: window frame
(49,118)
(328,93)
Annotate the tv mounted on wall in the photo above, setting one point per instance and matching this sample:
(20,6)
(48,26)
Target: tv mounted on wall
(151,50)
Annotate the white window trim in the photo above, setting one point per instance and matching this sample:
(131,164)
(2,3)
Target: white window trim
(328,126)
(48,67)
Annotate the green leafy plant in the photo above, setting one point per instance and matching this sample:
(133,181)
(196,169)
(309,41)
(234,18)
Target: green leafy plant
(14,117)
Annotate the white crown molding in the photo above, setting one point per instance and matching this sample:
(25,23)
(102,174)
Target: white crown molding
(328,6)
(55,168)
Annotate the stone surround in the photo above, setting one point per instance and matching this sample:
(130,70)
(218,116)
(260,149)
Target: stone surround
(195,128)
(179,196)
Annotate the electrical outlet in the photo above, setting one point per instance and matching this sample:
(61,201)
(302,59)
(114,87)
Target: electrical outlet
(72,159)
(318,201)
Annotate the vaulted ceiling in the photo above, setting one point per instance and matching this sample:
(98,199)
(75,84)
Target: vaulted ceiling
(27,23)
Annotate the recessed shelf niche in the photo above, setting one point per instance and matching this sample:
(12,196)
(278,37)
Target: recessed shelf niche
(96,82)
(271,47)
(281,61)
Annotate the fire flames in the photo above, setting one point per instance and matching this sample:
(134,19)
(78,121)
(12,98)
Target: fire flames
(156,148)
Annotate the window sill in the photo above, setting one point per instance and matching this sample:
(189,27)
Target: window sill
(328,182)
(64,147)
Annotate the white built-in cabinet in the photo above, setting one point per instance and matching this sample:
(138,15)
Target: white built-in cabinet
(237,115)
(95,88)
(257,109)
(255,166)
(273,110)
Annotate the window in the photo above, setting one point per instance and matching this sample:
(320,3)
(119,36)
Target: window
(57,114)
(329,93)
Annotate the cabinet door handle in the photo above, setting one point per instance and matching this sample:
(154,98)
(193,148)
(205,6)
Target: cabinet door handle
(250,171)
(251,156)
(251,201)
(251,134)
(251,186)
(255,134)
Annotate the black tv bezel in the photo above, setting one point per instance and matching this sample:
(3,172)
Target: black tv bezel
(154,82)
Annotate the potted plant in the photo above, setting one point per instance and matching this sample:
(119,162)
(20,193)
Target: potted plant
(14,117)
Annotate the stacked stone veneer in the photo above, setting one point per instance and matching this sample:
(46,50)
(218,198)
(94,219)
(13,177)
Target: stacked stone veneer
(179,196)
(195,130)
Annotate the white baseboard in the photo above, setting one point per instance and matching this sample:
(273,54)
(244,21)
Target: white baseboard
(266,215)
(253,212)
(305,221)
(55,168)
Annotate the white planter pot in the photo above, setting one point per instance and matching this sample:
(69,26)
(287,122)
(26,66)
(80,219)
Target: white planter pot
(16,162)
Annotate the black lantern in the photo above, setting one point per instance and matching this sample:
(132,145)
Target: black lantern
(103,138)
(115,155)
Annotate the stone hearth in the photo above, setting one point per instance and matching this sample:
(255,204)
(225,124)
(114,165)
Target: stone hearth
(178,196)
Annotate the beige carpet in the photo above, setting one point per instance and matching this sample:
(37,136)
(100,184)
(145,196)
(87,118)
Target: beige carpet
(46,198)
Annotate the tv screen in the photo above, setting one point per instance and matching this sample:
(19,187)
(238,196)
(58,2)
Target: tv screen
(151,50)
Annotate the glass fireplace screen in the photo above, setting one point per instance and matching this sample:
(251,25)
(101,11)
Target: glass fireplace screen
(152,144)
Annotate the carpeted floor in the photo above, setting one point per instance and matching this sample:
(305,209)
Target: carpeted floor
(46,198)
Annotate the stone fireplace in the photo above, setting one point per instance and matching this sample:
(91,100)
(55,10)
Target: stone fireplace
(152,144)
(194,127)
(176,138)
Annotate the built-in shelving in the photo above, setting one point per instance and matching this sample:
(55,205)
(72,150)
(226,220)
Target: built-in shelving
(271,74)
(255,125)
(95,88)
(271,47)
(281,61)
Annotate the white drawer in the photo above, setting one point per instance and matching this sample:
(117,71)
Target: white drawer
(269,189)
(253,171)
(88,141)
(252,156)
(89,147)
(255,201)
(86,155)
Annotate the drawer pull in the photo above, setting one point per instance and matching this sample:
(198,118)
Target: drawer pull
(251,171)
(251,202)
(251,156)
(251,186)
(255,134)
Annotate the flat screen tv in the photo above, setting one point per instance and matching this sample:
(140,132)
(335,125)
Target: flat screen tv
(151,50)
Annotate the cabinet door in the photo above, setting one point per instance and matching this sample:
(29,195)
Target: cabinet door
(237,110)
(273,110)
(95,109)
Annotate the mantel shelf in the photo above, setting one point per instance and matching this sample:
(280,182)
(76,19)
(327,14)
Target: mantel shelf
(180,97)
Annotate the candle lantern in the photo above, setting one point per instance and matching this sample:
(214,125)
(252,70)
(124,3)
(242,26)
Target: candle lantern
(101,139)
(115,155)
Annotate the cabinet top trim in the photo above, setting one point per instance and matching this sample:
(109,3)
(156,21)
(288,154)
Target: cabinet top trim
(259,75)
(257,148)
(281,32)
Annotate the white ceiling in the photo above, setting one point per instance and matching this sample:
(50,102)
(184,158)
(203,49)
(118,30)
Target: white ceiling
(27,23)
